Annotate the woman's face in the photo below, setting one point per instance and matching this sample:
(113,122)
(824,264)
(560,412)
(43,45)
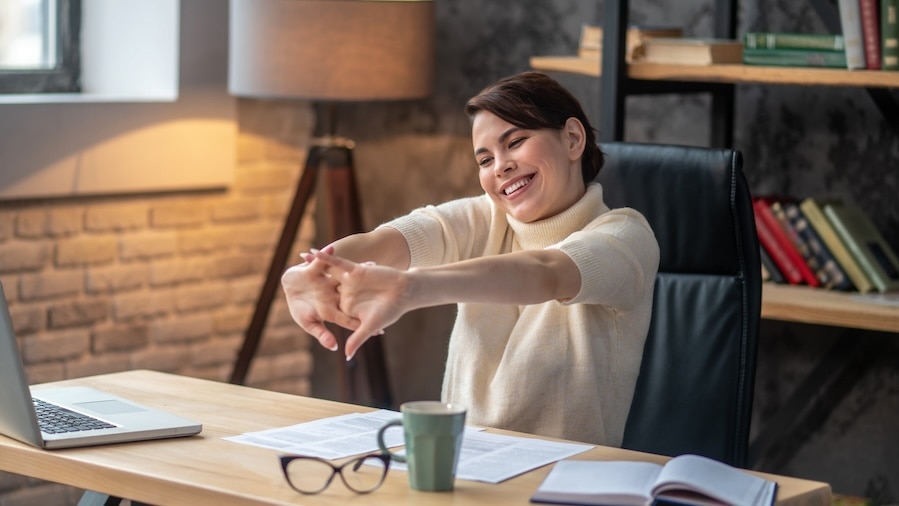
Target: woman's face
(530,174)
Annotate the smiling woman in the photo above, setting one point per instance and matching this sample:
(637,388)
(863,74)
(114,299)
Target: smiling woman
(554,289)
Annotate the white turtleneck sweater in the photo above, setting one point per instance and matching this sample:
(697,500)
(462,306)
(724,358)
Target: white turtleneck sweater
(559,369)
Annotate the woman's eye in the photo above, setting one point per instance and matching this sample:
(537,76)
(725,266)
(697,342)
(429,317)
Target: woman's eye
(516,142)
(483,162)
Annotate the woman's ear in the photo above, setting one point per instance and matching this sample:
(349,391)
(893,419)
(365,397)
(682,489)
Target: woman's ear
(574,136)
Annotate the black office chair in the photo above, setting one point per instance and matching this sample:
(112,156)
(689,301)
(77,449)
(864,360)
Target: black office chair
(694,391)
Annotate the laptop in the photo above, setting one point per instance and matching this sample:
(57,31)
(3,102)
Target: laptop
(72,416)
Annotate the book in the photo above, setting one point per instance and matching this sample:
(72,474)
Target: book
(812,209)
(875,256)
(869,15)
(770,272)
(686,479)
(889,35)
(783,40)
(690,51)
(851,25)
(795,58)
(818,256)
(590,45)
(780,247)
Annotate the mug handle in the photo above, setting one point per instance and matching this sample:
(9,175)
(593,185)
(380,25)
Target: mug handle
(393,456)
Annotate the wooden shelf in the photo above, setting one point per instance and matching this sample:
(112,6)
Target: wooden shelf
(726,73)
(825,307)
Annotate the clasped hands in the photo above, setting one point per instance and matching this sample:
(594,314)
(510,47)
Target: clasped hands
(362,297)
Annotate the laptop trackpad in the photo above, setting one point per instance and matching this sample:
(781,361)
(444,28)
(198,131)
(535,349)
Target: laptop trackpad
(110,407)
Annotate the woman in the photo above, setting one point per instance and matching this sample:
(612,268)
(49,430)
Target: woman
(554,289)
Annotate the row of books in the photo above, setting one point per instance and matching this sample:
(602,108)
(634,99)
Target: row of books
(872,44)
(869,40)
(823,243)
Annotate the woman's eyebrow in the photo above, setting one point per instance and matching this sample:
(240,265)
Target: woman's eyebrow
(502,138)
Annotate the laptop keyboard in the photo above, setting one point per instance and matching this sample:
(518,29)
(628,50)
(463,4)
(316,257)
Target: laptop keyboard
(55,419)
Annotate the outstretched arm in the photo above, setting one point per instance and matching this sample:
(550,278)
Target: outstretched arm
(311,291)
(376,295)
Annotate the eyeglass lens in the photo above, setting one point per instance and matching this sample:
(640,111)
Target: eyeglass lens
(311,476)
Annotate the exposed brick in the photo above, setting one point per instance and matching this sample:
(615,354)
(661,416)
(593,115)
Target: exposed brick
(277,341)
(207,240)
(178,215)
(78,313)
(64,222)
(250,147)
(28,319)
(216,372)
(116,217)
(49,285)
(215,352)
(186,328)
(55,346)
(175,272)
(265,176)
(32,223)
(233,266)
(170,358)
(207,296)
(92,364)
(116,278)
(231,321)
(148,245)
(142,304)
(7,219)
(17,256)
(45,372)
(119,337)
(246,290)
(10,288)
(85,250)
(258,237)
(237,210)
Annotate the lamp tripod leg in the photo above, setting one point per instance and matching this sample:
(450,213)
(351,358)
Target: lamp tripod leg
(305,186)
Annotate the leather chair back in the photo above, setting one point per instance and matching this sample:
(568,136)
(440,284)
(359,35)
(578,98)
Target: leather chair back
(694,392)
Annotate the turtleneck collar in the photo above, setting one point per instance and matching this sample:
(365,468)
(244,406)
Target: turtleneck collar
(546,232)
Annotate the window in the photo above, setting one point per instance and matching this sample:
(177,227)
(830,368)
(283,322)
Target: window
(40,46)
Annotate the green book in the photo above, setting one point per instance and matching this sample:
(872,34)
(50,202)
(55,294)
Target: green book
(866,244)
(889,34)
(780,40)
(813,211)
(795,57)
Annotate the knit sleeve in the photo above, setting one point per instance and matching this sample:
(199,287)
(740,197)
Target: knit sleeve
(618,258)
(445,233)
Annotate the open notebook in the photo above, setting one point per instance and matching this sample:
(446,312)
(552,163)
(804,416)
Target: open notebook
(75,416)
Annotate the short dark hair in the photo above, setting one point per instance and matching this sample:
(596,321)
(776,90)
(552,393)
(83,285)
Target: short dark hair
(533,100)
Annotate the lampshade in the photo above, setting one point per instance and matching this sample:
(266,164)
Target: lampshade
(331,50)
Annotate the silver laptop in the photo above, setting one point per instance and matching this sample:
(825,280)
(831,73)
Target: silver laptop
(75,416)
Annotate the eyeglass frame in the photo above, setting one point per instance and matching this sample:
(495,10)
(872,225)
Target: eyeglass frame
(336,470)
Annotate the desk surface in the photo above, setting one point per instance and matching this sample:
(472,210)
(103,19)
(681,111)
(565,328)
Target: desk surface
(205,469)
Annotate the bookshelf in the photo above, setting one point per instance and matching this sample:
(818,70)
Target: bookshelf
(733,74)
(826,383)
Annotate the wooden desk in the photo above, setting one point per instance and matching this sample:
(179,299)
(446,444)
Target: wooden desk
(206,469)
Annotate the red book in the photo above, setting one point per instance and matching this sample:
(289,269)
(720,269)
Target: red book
(780,247)
(868,11)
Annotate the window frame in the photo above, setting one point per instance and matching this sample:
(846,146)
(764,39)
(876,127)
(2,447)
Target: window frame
(66,76)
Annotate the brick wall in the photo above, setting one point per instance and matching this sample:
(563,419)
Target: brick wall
(158,281)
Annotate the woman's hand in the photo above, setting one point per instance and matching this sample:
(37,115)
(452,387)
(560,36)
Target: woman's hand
(313,299)
(375,296)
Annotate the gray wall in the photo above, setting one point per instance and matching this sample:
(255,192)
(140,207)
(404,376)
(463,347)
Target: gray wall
(806,141)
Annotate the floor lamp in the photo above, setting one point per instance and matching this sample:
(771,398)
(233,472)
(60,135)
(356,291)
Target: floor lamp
(327,51)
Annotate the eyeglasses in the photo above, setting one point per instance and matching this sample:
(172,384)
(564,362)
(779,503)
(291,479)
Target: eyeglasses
(311,475)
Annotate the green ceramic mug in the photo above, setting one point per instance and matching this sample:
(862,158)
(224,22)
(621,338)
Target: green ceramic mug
(433,435)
